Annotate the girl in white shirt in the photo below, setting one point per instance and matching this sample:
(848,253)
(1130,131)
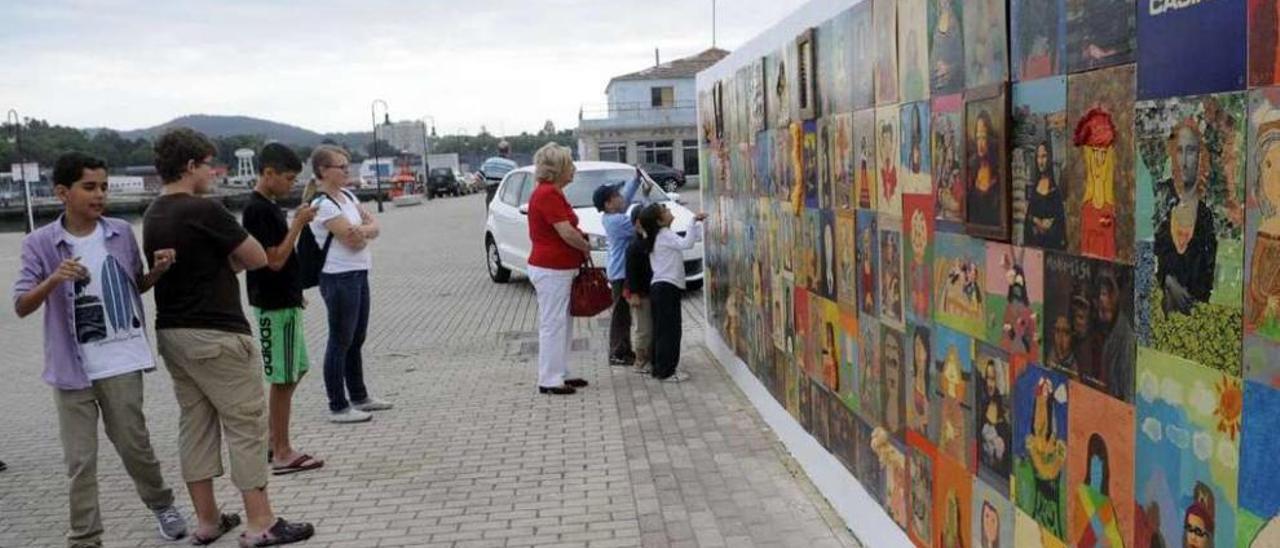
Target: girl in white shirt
(666,257)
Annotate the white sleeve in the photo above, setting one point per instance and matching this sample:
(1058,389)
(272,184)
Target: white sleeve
(326,211)
(693,236)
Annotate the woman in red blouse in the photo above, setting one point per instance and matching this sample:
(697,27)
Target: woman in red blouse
(559,248)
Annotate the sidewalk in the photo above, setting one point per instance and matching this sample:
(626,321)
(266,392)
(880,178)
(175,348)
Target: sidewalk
(472,455)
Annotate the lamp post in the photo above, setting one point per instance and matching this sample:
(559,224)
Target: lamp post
(13,119)
(377,173)
(426,144)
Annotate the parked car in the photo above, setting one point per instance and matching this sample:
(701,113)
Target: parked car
(670,178)
(443,180)
(506,238)
(475,182)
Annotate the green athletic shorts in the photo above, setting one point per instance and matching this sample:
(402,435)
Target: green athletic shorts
(283,344)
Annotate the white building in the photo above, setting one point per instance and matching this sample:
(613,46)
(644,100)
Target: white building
(651,116)
(408,137)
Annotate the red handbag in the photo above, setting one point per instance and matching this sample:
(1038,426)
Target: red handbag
(590,294)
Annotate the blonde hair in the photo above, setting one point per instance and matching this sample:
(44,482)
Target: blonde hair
(552,161)
(321,157)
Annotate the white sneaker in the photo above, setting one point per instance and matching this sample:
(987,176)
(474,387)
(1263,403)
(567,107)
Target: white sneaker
(349,415)
(372,404)
(678,376)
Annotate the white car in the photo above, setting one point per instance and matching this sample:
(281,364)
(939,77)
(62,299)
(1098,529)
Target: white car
(506,238)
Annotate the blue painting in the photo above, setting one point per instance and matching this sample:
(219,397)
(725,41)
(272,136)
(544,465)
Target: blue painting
(1190,48)
(1259,446)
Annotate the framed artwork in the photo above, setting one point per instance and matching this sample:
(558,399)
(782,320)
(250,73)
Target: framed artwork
(892,356)
(986,41)
(948,157)
(889,197)
(846,260)
(959,283)
(807,92)
(869,379)
(946,46)
(756,91)
(920,472)
(840,159)
(1100,165)
(993,416)
(1259,484)
(920,384)
(890,283)
(1015,301)
(953,353)
(1039,149)
(1038,38)
(866,178)
(1040,447)
(1088,325)
(986,174)
(1264,42)
(1100,33)
(952,503)
(914,149)
(917,250)
(868,251)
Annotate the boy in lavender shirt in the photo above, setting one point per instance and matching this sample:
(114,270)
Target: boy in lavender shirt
(87,272)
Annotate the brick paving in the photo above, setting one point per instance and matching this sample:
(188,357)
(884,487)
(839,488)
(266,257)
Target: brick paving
(472,456)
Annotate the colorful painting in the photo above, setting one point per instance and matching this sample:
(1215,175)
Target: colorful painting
(986,55)
(1262,240)
(921,405)
(953,372)
(1188,452)
(840,162)
(827,164)
(893,466)
(1259,445)
(958,283)
(756,92)
(1100,33)
(914,149)
(913,51)
(948,155)
(813,194)
(1015,300)
(1039,150)
(1100,507)
(952,503)
(986,174)
(868,254)
(866,177)
(843,437)
(846,261)
(806,92)
(920,457)
(891,290)
(1038,40)
(1191,168)
(993,418)
(889,197)
(1264,42)
(862,56)
(885,25)
(1040,447)
(1190,48)
(835,50)
(778,88)
(892,362)
(917,249)
(1088,325)
(946,46)
(868,462)
(1100,164)
(869,397)
(847,374)
(992,524)
(829,366)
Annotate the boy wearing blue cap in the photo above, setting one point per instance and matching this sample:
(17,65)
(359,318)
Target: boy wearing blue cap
(613,201)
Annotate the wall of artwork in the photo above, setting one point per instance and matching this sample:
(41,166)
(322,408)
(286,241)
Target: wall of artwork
(1016,265)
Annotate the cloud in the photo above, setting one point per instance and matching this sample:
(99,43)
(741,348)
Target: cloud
(1203,445)
(1151,427)
(1177,435)
(1148,386)
(1202,399)
(1228,454)
(1171,391)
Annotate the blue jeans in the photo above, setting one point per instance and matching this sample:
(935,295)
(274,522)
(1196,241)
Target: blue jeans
(346,296)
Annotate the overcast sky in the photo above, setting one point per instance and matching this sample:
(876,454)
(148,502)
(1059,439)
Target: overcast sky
(507,64)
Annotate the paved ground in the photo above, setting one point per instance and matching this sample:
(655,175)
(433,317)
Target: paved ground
(472,456)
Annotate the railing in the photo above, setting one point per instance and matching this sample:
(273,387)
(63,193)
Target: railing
(634,109)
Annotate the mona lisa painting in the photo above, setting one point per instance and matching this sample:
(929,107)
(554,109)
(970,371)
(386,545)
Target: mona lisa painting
(986,173)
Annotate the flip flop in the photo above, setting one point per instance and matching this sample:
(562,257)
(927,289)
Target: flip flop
(226,522)
(303,463)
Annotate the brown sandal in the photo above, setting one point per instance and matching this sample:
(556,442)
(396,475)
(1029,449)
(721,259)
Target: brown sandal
(226,522)
(303,463)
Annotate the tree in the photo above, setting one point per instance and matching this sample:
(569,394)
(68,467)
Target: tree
(548,129)
(384,150)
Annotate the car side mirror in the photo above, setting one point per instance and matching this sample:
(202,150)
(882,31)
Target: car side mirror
(524,209)
(675,197)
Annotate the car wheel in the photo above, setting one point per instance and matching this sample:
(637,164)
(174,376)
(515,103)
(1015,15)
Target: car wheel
(669,185)
(431,194)
(693,285)
(498,273)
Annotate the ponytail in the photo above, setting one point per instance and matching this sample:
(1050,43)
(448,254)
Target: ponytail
(648,218)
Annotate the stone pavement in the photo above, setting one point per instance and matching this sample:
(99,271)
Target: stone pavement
(472,455)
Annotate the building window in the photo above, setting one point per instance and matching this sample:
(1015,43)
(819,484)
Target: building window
(691,157)
(655,152)
(662,97)
(613,152)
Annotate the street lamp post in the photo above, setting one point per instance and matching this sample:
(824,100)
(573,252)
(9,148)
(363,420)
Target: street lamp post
(426,144)
(377,173)
(12,118)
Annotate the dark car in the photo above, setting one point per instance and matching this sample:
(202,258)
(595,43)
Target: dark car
(669,178)
(442,181)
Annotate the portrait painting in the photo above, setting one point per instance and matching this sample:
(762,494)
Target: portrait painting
(913,51)
(1088,327)
(946,46)
(1100,465)
(953,372)
(992,525)
(889,196)
(783,176)
(1262,240)
(866,175)
(885,26)
(826,163)
(1040,447)
(1100,164)
(952,503)
(1015,300)
(1191,172)
(1191,48)
(847,374)
(917,255)
(987,195)
(1264,42)
(993,416)
(868,254)
(777,90)
(806,256)
(756,92)
(948,155)
(862,57)
(806,93)
(868,380)
(1188,452)
(893,465)
(819,347)
(802,327)
(890,283)
(835,46)
(892,364)
(869,472)
(1259,445)
(914,149)
(840,162)
(921,405)
(1038,38)
(959,283)
(846,261)
(986,55)
(1100,33)
(829,369)
(813,187)
(1039,141)
(920,456)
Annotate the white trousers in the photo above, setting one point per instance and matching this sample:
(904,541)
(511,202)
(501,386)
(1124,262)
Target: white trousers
(555,327)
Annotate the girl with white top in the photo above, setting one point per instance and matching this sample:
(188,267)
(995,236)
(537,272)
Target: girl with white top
(344,285)
(666,257)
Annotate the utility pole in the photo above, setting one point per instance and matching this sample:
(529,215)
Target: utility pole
(377,172)
(16,121)
(713,23)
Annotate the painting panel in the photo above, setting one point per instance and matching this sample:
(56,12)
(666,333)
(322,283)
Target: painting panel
(1100,164)
(869,401)
(890,283)
(1040,447)
(1039,38)
(893,464)
(986,55)
(1188,451)
(862,58)
(920,472)
(826,164)
(892,359)
(1262,240)
(868,252)
(946,46)
(1259,445)
(868,462)
(987,196)
(1190,48)
(885,26)
(913,51)
(756,92)
(993,420)
(778,88)
(958,283)
(922,405)
(806,95)
(953,371)
(763,162)
(889,198)
(809,162)
(848,356)
(840,162)
(866,176)
(992,524)
(829,371)
(948,155)
(846,261)
(1089,322)
(1015,300)
(783,169)
(1039,150)
(843,435)
(1100,33)
(917,231)
(952,503)
(1100,451)
(914,149)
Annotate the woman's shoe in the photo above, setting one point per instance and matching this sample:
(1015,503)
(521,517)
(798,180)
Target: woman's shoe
(576,383)
(557,390)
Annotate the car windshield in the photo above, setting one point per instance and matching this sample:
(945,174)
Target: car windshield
(585,184)
(441,171)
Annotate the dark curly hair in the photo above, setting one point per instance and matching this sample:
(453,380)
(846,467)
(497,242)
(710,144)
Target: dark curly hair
(178,146)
